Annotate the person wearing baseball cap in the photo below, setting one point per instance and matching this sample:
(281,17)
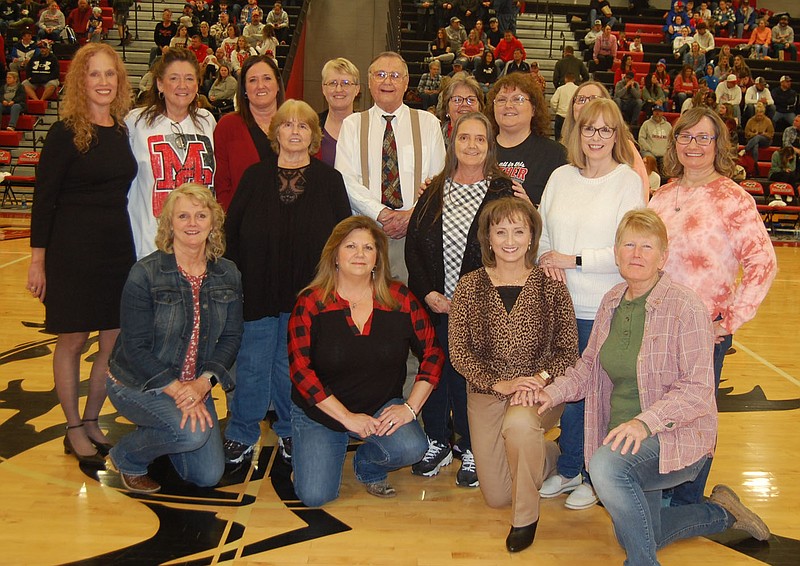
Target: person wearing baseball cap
(456,35)
(786,103)
(728,91)
(783,39)
(756,93)
(42,70)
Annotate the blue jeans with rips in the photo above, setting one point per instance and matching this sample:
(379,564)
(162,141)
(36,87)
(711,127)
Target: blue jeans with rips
(197,456)
(570,463)
(262,376)
(630,488)
(318,455)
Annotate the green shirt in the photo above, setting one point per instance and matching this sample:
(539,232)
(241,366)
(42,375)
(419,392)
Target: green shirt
(618,357)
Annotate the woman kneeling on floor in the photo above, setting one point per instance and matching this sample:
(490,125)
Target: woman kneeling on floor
(349,336)
(651,415)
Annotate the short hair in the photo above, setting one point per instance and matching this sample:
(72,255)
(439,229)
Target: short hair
(609,111)
(449,85)
(723,160)
(302,112)
(540,121)
(644,221)
(13,74)
(569,76)
(341,65)
(508,208)
(215,244)
(241,91)
(569,49)
(325,280)
(390,55)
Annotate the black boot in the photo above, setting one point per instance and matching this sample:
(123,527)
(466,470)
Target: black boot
(520,538)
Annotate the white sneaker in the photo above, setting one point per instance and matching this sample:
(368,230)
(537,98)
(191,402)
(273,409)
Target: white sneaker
(558,484)
(582,498)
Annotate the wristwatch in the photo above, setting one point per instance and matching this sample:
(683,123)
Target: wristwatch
(578,261)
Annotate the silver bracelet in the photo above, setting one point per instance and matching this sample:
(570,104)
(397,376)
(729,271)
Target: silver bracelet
(410,408)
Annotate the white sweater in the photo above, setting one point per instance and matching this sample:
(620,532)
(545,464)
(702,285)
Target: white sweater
(580,217)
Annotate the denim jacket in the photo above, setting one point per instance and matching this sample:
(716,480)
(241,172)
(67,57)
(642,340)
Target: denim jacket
(156,319)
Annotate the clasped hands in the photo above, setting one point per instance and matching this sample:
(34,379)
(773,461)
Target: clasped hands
(188,397)
(523,390)
(390,419)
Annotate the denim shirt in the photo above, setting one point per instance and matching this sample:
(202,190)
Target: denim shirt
(156,319)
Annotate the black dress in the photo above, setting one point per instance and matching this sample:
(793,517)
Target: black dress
(80,217)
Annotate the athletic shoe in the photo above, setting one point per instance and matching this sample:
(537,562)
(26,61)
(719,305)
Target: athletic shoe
(557,484)
(381,489)
(236,452)
(467,476)
(438,455)
(285,447)
(582,498)
(746,520)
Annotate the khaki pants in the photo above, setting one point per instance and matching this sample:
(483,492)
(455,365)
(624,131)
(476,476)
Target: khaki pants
(511,455)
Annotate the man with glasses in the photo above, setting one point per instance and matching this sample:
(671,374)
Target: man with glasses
(385,152)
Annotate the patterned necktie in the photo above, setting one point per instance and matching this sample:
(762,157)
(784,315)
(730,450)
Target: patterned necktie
(390,175)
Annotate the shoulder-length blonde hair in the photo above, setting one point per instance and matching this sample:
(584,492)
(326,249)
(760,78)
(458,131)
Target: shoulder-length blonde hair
(295,110)
(508,208)
(325,280)
(569,123)
(609,111)
(215,244)
(74,108)
(723,158)
(540,122)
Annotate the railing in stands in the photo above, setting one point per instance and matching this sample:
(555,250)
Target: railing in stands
(297,34)
(393,26)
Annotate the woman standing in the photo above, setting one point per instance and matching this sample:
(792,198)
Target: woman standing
(461,95)
(279,219)
(581,208)
(441,247)
(340,86)
(350,333)
(171,140)
(511,327)
(521,118)
(651,417)
(241,136)
(81,244)
(707,256)
(181,328)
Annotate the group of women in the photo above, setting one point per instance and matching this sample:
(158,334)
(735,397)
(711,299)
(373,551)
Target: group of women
(534,310)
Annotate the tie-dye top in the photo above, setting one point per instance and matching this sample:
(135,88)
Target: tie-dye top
(713,231)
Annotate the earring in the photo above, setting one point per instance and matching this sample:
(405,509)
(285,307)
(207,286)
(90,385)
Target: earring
(161,95)
(373,274)
(337,266)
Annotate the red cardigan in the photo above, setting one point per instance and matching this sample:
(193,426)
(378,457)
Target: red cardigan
(234,151)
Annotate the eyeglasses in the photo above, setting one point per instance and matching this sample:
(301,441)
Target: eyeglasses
(344,83)
(702,139)
(580,99)
(516,100)
(468,100)
(394,76)
(180,137)
(605,132)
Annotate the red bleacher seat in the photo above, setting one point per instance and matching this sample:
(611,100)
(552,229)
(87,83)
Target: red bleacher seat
(783,189)
(25,122)
(753,187)
(638,56)
(10,139)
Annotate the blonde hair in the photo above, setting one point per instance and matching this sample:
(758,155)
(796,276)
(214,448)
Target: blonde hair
(644,221)
(325,280)
(74,108)
(302,112)
(165,238)
(508,208)
(609,111)
(341,65)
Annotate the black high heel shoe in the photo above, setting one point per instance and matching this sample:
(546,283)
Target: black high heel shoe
(102,447)
(94,460)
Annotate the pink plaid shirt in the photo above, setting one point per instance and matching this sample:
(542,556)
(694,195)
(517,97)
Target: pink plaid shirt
(716,230)
(674,372)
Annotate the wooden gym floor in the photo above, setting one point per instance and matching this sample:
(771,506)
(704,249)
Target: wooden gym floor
(52,512)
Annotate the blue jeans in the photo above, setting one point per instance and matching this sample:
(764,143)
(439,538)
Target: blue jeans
(262,376)
(692,491)
(570,463)
(779,117)
(318,455)
(630,488)
(197,456)
(451,394)
(612,21)
(754,143)
(14,111)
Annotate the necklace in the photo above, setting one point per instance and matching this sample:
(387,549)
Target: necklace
(677,190)
(354,304)
(514,283)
